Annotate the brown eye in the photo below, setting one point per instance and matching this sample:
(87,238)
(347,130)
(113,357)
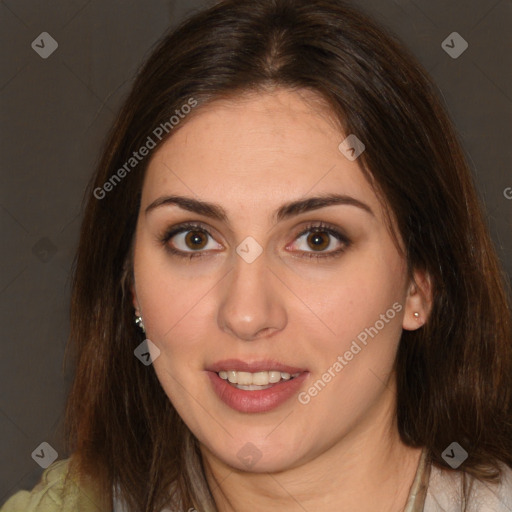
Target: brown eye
(196,240)
(189,240)
(318,241)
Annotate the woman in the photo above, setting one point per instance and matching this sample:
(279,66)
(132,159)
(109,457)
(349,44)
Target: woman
(285,293)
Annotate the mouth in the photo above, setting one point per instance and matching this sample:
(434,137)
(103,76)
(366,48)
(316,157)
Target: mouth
(255,387)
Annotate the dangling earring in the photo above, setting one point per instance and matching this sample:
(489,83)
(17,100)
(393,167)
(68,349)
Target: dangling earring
(138,321)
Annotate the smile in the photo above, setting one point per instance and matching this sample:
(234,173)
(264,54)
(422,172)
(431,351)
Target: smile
(255,381)
(257,386)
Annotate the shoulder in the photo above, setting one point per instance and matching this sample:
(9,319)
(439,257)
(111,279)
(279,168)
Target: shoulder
(446,487)
(57,491)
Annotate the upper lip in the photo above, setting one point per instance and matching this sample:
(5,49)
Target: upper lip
(253,367)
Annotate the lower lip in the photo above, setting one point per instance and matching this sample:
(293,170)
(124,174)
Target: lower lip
(263,400)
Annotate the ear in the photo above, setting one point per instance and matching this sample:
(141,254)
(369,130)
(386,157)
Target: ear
(418,300)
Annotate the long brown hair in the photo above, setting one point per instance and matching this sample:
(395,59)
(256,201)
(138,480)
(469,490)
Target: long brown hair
(453,375)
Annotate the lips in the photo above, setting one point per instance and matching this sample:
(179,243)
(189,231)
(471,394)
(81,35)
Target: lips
(255,401)
(253,367)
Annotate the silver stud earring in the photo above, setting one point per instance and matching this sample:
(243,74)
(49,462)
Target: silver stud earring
(416,315)
(138,321)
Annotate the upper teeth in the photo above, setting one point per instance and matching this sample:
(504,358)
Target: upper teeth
(258,378)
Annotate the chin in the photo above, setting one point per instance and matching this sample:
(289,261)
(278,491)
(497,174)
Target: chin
(265,456)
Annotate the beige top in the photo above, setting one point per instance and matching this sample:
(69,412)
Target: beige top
(419,487)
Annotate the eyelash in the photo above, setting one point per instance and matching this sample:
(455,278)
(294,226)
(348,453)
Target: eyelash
(318,227)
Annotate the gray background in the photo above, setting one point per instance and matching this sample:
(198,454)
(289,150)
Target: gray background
(56,111)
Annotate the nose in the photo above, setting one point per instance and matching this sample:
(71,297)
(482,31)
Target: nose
(252,304)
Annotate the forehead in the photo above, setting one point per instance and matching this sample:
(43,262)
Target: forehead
(257,149)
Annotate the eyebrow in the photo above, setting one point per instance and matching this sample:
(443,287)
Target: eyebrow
(286,211)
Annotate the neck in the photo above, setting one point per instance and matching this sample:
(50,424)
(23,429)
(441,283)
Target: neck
(368,469)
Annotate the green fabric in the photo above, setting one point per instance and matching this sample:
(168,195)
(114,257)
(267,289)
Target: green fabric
(55,492)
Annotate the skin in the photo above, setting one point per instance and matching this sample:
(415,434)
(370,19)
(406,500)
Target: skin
(341,451)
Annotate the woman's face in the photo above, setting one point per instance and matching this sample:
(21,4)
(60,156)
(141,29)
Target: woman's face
(252,275)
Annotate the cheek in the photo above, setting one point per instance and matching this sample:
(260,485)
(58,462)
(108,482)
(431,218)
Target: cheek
(178,318)
(363,335)
(356,295)
(354,365)
(177,312)
(173,303)
(362,308)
